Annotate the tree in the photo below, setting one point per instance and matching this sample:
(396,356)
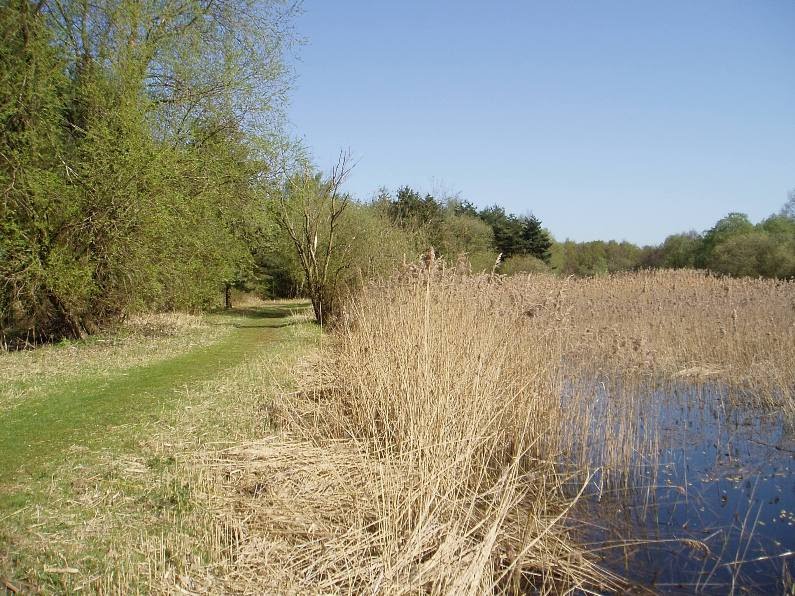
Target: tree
(523,264)
(459,207)
(753,254)
(507,230)
(680,251)
(788,210)
(535,239)
(622,256)
(580,258)
(466,235)
(130,167)
(732,225)
(310,211)
(517,235)
(411,210)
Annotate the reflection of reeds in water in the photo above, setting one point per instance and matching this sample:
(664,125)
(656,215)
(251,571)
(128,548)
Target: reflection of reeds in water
(477,400)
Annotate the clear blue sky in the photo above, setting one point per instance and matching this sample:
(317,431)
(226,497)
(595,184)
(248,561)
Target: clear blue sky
(608,120)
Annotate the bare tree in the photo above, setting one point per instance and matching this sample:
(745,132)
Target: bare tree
(788,210)
(309,210)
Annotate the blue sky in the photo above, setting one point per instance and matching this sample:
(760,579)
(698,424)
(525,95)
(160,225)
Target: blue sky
(608,120)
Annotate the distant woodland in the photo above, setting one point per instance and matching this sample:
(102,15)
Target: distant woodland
(144,166)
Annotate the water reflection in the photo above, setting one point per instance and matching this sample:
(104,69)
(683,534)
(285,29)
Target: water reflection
(712,510)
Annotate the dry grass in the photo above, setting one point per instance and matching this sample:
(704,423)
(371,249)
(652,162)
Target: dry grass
(687,325)
(446,399)
(139,341)
(632,339)
(453,405)
(434,441)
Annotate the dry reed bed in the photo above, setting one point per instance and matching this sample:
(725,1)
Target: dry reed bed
(448,397)
(686,324)
(460,397)
(423,454)
(405,466)
(631,340)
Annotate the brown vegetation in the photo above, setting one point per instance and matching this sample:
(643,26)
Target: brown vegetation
(440,439)
(466,405)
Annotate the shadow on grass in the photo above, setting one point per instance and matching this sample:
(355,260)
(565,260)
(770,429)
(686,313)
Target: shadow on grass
(262,313)
(271,326)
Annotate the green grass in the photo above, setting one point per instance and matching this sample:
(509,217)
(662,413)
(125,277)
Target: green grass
(92,411)
(95,467)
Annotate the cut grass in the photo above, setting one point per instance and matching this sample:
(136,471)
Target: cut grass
(93,469)
(85,410)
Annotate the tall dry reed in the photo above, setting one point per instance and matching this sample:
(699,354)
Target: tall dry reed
(441,438)
(452,395)
(476,400)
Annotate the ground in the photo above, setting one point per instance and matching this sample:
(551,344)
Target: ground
(98,489)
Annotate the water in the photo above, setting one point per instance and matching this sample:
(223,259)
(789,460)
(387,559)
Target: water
(714,514)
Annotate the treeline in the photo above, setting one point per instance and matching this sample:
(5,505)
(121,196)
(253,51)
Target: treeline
(733,246)
(373,238)
(456,228)
(143,167)
(138,140)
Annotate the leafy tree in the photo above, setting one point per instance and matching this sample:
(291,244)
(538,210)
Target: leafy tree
(582,259)
(621,256)
(36,197)
(753,254)
(779,226)
(459,207)
(130,169)
(517,235)
(518,264)
(377,247)
(465,235)
(412,210)
(681,250)
(732,225)
(310,211)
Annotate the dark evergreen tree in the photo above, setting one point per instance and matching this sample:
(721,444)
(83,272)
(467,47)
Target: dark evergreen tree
(410,209)
(517,235)
(535,239)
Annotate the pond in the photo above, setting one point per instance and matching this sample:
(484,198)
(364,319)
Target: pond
(711,511)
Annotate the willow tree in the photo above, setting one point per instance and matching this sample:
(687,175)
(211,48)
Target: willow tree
(135,140)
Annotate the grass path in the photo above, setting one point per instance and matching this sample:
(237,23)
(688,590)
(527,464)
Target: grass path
(101,490)
(36,434)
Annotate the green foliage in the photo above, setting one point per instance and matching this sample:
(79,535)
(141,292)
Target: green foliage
(733,246)
(754,253)
(455,228)
(465,234)
(524,264)
(731,225)
(411,210)
(595,258)
(514,235)
(131,156)
(377,246)
(586,258)
(680,251)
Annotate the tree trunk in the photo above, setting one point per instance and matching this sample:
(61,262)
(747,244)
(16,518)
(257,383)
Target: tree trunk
(227,296)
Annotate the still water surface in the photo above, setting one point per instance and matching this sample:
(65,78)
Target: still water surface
(715,515)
